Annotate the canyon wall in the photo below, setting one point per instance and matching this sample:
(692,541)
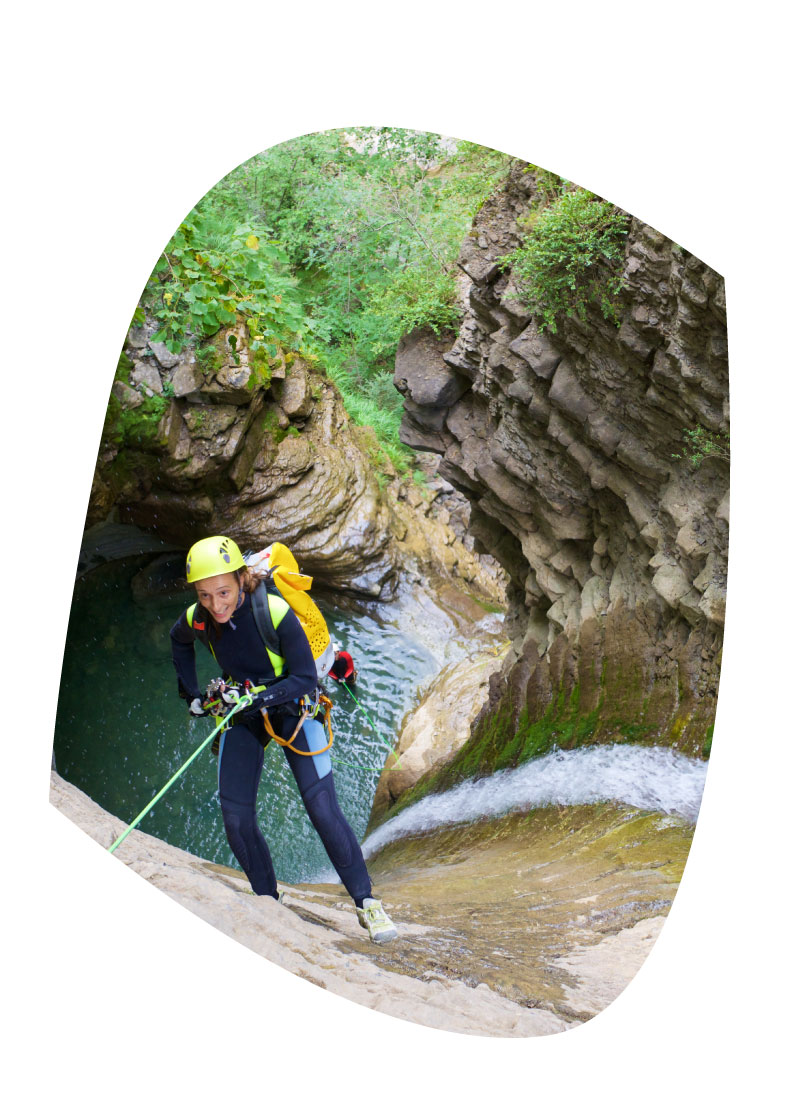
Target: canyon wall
(572,450)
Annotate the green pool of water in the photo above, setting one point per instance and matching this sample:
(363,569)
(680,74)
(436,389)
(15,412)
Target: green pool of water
(122,731)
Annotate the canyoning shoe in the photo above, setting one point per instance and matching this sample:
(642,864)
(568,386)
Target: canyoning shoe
(373,918)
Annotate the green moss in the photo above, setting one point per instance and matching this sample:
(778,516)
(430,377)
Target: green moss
(271,427)
(198,418)
(130,467)
(705,751)
(137,427)
(487,605)
(208,358)
(500,742)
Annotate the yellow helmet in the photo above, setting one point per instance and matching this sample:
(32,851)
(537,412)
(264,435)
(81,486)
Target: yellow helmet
(212,556)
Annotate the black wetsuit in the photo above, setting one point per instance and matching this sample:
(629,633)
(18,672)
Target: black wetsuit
(239,650)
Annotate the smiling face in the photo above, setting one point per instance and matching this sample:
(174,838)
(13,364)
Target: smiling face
(219,595)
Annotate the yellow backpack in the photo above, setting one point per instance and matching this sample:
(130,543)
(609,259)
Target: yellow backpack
(278,567)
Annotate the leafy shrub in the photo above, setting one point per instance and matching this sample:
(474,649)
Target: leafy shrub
(419,296)
(333,244)
(211,274)
(700,443)
(570,258)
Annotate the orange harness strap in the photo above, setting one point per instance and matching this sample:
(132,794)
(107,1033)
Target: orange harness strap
(287,744)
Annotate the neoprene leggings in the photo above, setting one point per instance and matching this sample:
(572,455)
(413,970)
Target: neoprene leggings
(241,759)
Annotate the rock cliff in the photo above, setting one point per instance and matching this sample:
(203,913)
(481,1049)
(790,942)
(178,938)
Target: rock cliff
(213,439)
(267,455)
(565,446)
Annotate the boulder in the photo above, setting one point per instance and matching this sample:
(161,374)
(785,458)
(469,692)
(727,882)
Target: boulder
(294,393)
(127,397)
(147,375)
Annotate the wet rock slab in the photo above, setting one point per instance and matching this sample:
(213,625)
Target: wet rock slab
(523,926)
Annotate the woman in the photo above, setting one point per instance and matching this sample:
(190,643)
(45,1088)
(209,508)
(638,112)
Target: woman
(223,619)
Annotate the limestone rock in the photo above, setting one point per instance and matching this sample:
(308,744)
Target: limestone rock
(432,733)
(314,934)
(145,374)
(671,583)
(422,373)
(294,395)
(186,380)
(166,359)
(563,442)
(127,397)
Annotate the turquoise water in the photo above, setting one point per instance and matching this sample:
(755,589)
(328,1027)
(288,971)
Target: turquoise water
(122,731)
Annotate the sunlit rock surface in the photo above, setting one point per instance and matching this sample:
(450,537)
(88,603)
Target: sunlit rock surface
(522,926)
(433,732)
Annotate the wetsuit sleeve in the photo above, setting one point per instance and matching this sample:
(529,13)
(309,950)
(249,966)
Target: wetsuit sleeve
(301,670)
(182,640)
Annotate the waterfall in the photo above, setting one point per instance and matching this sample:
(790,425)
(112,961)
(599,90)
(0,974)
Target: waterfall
(647,778)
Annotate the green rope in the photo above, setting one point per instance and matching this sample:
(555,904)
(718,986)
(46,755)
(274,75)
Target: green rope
(245,701)
(360,767)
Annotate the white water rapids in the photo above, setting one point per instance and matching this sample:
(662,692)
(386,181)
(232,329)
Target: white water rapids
(645,778)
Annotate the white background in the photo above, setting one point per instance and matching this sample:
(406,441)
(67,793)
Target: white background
(120,117)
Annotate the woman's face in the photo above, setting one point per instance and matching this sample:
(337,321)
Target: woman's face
(220,595)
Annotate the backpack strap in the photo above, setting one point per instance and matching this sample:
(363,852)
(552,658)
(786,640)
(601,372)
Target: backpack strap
(268,611)
(197,620)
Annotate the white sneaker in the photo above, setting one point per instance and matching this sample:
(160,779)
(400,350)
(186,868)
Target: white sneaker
(373,918)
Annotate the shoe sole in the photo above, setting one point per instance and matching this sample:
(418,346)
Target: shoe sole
(385,937)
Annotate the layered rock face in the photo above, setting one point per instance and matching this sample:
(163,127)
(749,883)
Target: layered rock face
(209,441)
(564,444)
(264,459)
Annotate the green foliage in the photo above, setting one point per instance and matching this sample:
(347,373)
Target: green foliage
(370,222)
(214,273)
(377,409)
(135,428)
(207,358)
(414,298)
(333,244)
(700,443)
(571,255)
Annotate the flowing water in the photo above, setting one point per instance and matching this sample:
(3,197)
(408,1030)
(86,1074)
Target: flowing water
(122,731)
(647,778)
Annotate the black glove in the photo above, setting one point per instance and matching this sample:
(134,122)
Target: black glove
(196,708)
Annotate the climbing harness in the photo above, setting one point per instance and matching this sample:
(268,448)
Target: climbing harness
(245,699)
(307,710)
(221,694)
